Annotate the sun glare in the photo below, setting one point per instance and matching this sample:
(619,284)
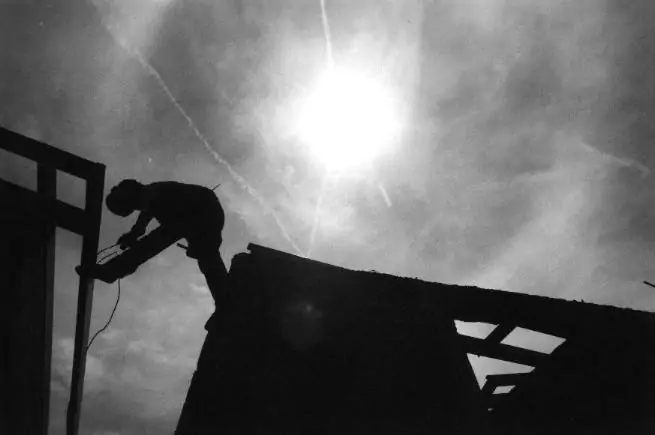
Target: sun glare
(347,119)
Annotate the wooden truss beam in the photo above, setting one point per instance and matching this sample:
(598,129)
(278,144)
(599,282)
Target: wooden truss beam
(503,352)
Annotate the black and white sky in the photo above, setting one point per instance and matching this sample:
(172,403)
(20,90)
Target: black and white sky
(524,164)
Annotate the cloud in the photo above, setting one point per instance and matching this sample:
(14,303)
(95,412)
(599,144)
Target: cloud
(201,290)
(525,165)
(555,251)
(62,367)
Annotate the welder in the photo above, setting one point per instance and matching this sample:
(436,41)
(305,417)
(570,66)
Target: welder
(191,211)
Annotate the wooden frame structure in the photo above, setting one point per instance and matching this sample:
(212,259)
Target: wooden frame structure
(83,221)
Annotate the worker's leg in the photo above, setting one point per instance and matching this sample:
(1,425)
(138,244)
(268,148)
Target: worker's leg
(204,247)
(211,265)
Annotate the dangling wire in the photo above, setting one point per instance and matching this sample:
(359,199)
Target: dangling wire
(111,316)
(118,297)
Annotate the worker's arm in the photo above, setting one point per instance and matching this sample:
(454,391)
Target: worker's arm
(141,224)
(128,239)
(139,228)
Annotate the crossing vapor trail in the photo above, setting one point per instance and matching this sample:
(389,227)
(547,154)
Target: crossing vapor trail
(243,183)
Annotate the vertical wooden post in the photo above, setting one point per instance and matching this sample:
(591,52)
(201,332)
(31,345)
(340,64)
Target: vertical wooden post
(93,211)
(47,187)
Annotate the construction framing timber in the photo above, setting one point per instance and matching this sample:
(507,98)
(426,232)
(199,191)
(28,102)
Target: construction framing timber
(27,226)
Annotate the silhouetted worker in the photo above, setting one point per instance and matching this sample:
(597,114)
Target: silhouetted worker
(191,211)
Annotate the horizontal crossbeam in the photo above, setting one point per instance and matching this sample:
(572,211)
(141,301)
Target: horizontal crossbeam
(48,155)
(503,352)
(27,202)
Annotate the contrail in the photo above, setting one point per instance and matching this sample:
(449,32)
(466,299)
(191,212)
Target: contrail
(328,35)
(619,161)
(330,65)
(242,181)
(317,213)
(385,195)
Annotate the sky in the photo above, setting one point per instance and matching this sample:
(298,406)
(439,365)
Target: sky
(524,161)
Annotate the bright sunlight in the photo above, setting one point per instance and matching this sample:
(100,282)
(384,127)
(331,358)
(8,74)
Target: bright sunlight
(347,119)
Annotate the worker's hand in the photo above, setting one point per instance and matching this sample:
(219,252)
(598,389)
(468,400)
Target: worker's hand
(127,240)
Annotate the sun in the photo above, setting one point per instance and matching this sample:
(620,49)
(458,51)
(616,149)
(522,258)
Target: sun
(347,119)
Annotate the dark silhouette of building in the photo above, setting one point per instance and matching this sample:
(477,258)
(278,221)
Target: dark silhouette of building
(306,347)
(28,220)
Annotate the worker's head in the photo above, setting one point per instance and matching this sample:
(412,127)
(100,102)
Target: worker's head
(124,198)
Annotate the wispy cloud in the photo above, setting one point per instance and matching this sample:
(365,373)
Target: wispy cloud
(525,165)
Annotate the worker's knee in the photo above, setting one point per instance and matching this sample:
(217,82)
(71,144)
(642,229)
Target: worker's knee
(211,264)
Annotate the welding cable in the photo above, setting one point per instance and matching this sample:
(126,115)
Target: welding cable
(111,316)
